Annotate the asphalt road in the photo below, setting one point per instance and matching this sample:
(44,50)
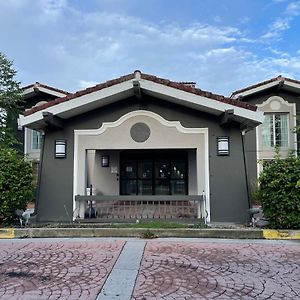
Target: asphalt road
(110,268)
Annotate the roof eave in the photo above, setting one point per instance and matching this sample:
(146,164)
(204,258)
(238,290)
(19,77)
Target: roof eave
(285,85)
(124,89)
(33,90)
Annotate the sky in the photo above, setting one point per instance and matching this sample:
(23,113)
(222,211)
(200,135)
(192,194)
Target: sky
(222,45)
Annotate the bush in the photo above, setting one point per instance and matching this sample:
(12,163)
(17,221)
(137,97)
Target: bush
(279,192)
(15,183)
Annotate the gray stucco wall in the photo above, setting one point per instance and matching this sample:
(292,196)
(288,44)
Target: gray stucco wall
(227,179)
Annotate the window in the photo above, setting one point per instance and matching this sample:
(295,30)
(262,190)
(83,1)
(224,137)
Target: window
(275,130)
(154,173)
(36,140)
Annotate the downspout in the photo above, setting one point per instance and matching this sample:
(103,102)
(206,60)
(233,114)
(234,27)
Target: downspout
(37,194)
(243,132)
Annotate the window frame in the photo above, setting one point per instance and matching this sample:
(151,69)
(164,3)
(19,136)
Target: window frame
(272,138)
(39,140)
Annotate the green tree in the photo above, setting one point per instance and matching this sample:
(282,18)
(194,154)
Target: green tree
(15,172)
(15,183)
(279,192)
(10,99)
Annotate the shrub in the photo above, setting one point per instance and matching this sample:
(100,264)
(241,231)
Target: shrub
(148,235)
(15,183)
(279,192)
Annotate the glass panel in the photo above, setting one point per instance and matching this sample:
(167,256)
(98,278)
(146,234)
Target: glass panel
(129,169)
(178,187)
(267,131)
(36,140)
(178,170)
(162,169)
(145,169)
(128,187)
(275,130)
(162,187)
(145,187)
(281,130)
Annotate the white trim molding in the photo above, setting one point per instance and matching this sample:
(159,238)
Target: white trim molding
(124,90)
(277,105)
(287,83)
(100,139)
(32,89)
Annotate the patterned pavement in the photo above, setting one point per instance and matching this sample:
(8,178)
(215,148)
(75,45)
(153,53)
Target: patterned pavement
(31,269)
(170,269)
(219,271)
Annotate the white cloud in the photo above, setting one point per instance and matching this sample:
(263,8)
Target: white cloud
(72,49)
(282,24)
(293,9)
(52,7)
(83,84)
(276,28)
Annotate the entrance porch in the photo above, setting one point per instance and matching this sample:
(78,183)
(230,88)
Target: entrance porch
(162,176)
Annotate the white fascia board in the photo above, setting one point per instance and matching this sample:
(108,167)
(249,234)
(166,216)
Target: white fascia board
(77,102)
(31,90)
(27,91)
(200,101)
(51,92)
(257,89)
(292,84)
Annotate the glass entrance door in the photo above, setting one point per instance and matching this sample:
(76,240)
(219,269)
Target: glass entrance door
(154,173)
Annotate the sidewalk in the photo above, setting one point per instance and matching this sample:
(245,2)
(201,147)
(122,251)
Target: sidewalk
(110,268)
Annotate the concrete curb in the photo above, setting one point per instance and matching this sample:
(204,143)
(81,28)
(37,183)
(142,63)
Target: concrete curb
(9,233)
(138,232)
(272,234)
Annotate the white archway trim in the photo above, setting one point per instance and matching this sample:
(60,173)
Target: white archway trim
(136,113)
(162,121)
(276,98)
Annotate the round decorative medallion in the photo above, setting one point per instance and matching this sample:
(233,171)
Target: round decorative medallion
(140,132)
(275,105)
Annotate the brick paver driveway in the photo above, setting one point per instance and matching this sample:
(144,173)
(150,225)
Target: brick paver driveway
(219,271)
(48,269)
(170,269)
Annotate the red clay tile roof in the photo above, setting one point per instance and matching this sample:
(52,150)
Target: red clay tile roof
(278,78)
(37,84)
(166,82)
(199,92)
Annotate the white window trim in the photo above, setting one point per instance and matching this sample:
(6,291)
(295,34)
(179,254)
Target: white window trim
(286,107)
(273,114)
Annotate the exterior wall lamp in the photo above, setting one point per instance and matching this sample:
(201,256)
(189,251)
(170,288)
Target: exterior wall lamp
(223,145)
(105,161)
(60,148)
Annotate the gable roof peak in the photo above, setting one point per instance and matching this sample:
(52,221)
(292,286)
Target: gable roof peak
(138,75)
(263,85)
(45,86)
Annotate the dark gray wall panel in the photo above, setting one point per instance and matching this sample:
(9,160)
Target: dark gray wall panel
(227,178)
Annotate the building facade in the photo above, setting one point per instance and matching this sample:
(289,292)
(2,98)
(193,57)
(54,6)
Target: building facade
(279,100)
(146,138)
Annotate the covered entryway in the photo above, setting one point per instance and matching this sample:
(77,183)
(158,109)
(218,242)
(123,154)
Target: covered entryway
(143,167)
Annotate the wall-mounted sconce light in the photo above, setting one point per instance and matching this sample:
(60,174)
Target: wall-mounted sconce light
(60,148)
(223,145)
(105,160)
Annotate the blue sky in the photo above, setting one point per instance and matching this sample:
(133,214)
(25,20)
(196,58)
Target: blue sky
(223,45)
